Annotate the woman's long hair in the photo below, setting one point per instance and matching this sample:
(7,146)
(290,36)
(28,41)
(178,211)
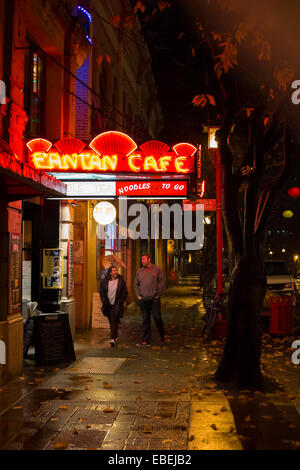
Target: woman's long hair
(108,275)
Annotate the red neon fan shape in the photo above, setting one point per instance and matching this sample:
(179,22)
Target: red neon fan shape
(184,149)
(113,142)
(154,147)
(69,145)
(39,145)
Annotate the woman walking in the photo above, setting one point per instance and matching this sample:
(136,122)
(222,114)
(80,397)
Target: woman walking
(113,293)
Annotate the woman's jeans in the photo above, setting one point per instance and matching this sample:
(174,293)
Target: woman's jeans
(149,307)
(114,320)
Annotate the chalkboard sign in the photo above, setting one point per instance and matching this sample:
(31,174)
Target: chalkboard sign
(53,339)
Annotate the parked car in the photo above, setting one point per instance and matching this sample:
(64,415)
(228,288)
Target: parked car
(279,279)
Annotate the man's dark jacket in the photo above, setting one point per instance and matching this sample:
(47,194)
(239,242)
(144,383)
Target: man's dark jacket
(121,294)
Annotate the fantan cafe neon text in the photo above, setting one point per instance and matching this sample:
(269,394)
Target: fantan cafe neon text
(111,152)
(110,163)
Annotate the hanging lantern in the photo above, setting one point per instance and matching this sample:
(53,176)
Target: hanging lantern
(287,214)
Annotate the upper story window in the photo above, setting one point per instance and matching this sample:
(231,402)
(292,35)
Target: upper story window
(34,93)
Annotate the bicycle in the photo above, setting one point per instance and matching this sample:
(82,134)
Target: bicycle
(216,308)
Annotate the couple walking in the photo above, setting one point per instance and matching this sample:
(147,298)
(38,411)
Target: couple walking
(149,284)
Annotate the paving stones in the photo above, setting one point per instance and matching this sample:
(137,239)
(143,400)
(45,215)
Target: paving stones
(155,399)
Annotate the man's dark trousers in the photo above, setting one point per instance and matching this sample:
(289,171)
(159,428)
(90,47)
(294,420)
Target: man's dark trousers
(149,307)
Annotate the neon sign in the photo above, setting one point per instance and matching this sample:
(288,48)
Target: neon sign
(112,152)
(151,188)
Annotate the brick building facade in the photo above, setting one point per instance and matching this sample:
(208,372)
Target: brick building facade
(68,72)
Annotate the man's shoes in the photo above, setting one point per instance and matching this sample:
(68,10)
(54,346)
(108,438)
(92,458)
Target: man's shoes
(143,343)
(112,343)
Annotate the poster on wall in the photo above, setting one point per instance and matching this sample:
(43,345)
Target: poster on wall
(70,273)
(52,268)
(78,251)
(14,274)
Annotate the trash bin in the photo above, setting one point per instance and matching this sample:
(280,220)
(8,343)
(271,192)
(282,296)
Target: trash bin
(219,328)
(173,276)
(281,315)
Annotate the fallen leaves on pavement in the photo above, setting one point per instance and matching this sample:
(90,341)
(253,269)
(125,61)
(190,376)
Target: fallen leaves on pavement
(148,429)
(60,445)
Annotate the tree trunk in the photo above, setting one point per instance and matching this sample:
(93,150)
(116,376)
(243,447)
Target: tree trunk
(241,357)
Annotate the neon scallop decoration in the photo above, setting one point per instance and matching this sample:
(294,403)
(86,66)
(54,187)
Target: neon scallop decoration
(69,145)
(113,142)
(39,145)
(154,147)
(184,149)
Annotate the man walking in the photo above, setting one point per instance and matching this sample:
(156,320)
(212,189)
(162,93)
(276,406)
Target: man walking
(149,284)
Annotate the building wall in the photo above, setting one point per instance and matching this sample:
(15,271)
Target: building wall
(123,98)
(63,47)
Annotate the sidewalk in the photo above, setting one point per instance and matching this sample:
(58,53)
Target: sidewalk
(158,398)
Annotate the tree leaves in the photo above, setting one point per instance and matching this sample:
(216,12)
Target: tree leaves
(284,76)
(243,30)
(139,6)
(116,20)
(228,59)
(162,5)
(203,99)
(122,22)
(100,58)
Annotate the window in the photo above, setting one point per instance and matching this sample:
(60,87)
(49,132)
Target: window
(33,93)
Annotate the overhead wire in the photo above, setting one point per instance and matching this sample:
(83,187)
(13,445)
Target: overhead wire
(91,90)
(105,115)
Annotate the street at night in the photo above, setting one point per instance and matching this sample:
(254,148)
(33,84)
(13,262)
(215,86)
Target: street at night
(158,398)
(149,229)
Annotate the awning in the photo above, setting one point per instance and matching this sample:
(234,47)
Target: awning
(18,180)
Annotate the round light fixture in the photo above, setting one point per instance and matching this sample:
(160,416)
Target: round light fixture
(287,214)
(104,213)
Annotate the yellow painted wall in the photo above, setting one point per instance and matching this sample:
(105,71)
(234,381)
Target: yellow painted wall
(91,262)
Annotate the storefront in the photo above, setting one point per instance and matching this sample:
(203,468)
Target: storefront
(110,168)
(19,182)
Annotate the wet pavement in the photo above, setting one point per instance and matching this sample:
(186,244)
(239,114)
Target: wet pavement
(158,398)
